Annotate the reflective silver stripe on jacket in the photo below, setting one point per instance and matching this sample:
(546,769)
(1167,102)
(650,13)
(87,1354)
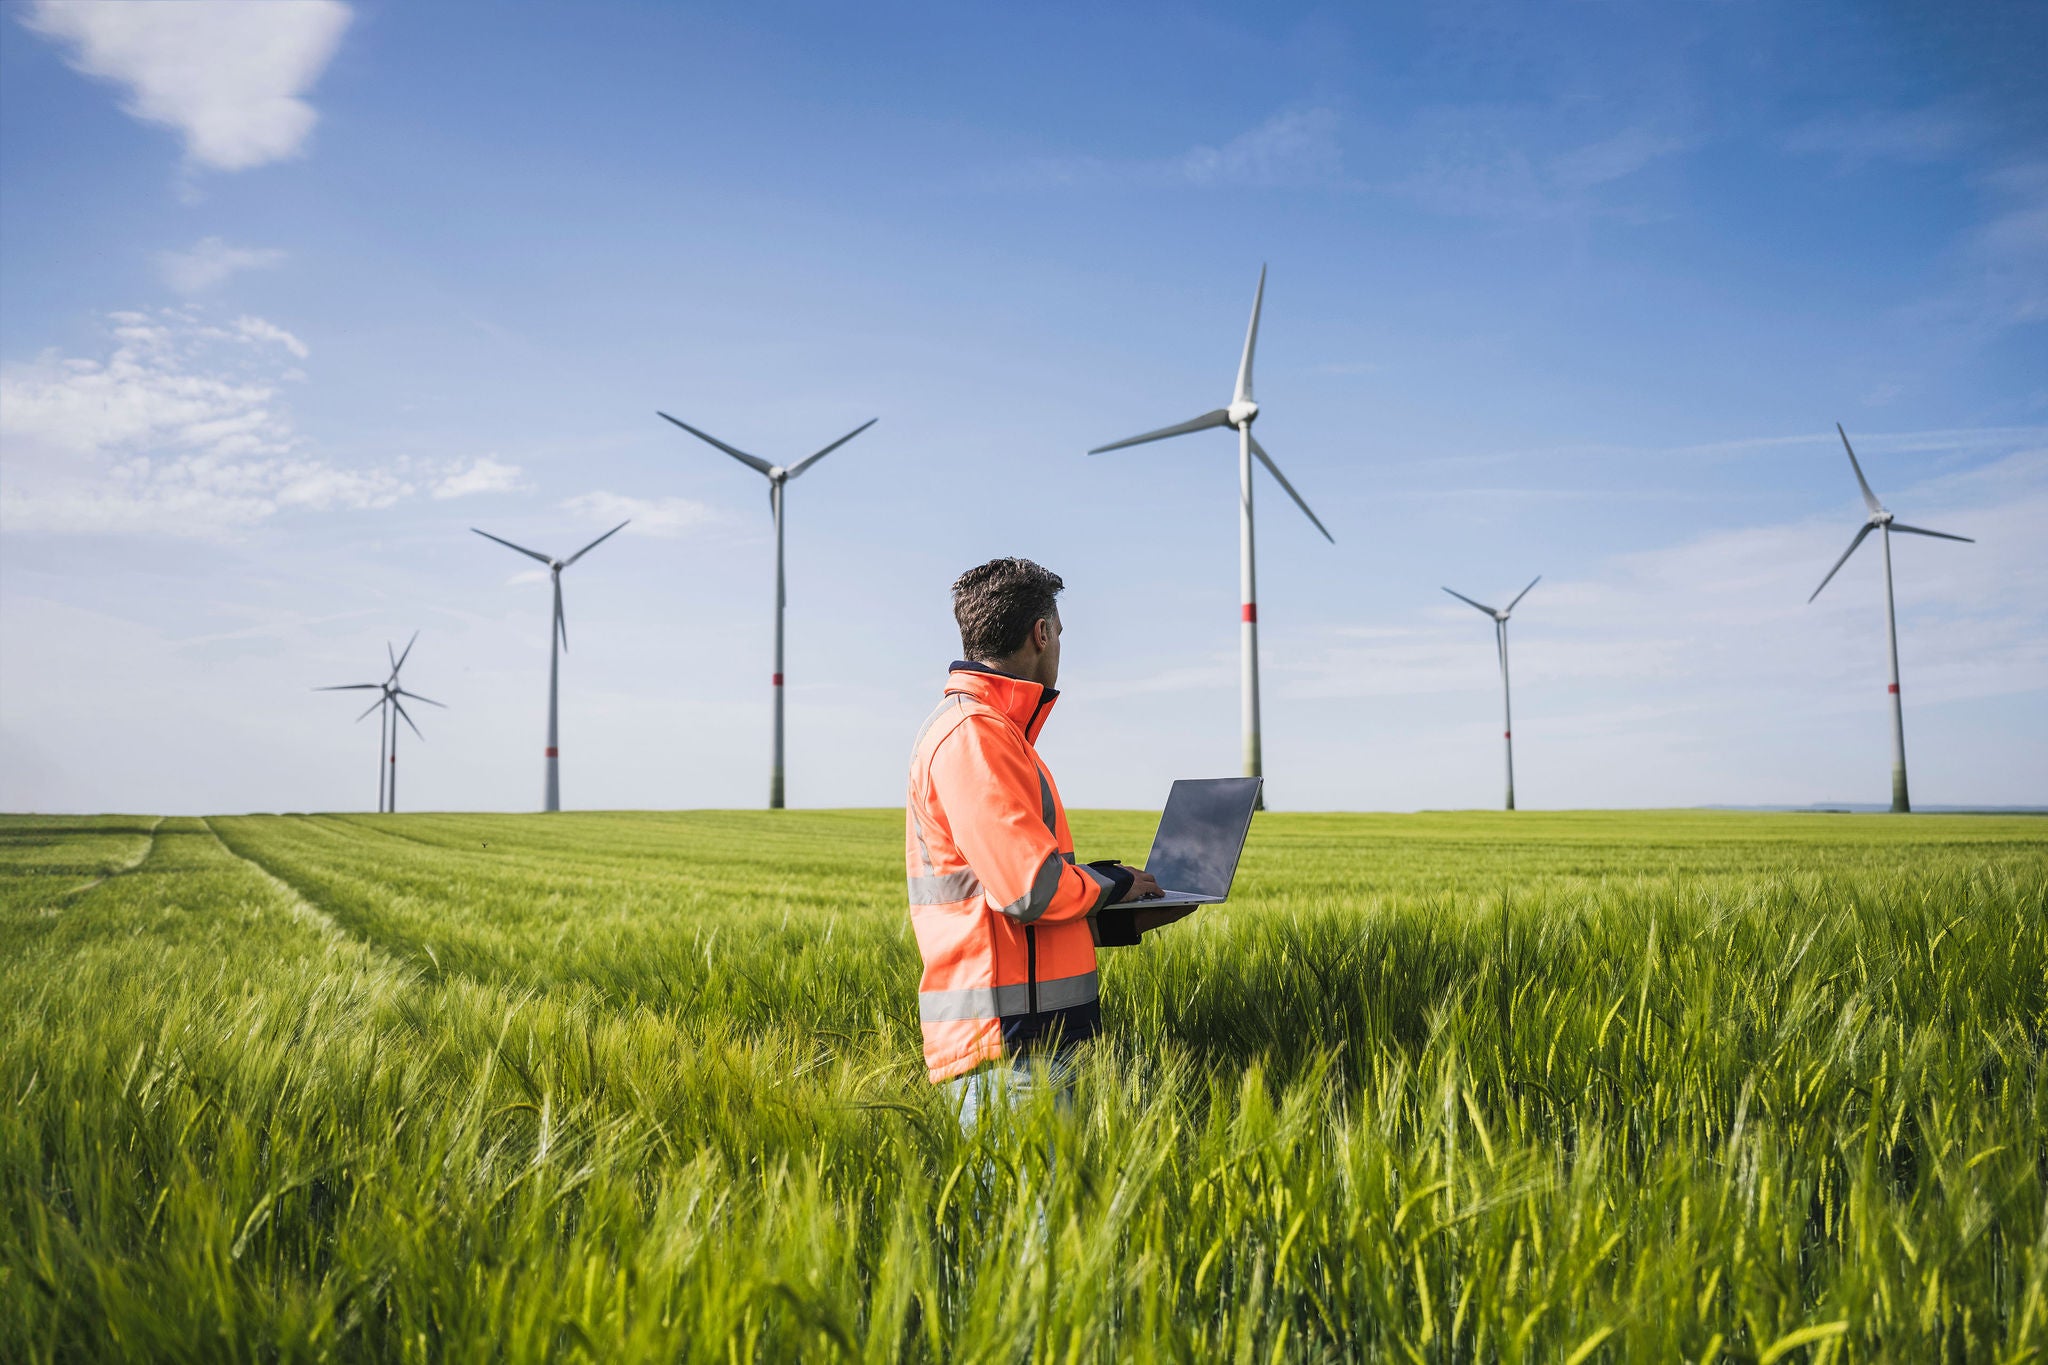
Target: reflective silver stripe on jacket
(1045,806)
(995,1002)
(1044,886)
(944,888)
(952,701)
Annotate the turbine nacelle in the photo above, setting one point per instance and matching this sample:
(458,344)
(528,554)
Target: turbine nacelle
(1240,415)
(1881,519)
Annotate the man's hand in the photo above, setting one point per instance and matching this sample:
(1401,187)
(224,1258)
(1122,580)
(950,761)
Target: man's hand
(1144,886)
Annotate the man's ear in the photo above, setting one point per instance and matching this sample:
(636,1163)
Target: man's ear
(1041,633)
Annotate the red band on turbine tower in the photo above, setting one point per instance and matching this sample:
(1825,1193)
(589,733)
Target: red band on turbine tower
(553,753)
(1251,611)
(1892,688)
(778,678)
(1507,734)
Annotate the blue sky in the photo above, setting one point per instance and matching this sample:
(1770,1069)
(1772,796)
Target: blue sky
(293,295)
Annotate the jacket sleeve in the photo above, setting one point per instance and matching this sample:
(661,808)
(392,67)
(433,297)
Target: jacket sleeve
(1000,812)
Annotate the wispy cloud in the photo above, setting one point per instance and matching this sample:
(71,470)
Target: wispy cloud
(665,517)
(258,330)
(178,430)
(209,263)
(1292,149)
(1996,271)
(1720,624)
(229,76)
(1857,138)
(1478,163)
(484,474)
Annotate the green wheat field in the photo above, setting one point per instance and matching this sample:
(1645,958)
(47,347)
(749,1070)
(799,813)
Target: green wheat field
(646,1087)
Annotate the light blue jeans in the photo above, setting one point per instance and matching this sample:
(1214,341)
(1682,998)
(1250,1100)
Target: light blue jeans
(1003,1086)
(991,1092)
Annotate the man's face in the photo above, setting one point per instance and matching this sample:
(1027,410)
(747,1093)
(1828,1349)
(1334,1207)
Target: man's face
(1049,660)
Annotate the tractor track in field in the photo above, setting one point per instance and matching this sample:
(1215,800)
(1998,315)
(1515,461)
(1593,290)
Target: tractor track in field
(300,904)
(419,960)
(350,824)
(132,865)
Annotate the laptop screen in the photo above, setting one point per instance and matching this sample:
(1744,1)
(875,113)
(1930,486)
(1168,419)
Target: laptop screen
(1201,834)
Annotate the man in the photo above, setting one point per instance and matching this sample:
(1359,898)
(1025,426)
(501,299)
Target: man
(1007,921)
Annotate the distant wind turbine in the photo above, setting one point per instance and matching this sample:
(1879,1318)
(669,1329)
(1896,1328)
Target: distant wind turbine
(1500,640)
(1881,521)
(558,640)
(388,701)
(777,476)
(1240,414)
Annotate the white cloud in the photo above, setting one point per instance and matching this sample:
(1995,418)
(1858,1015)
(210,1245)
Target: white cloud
(1478,163)
(666,517)
(1857,138)
(210,262)
(1720,625)
(1609,159)
(177,431)
(484,474)
(1295,148)
(1997,270)
(227,75)
(256,329)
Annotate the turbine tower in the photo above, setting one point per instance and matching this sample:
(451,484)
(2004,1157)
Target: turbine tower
(1881,521)
(558,640)
(388,701)
(1240,414)
(1500,640)
(777,476)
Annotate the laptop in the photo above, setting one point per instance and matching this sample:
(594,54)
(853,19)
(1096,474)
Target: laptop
(1201,835)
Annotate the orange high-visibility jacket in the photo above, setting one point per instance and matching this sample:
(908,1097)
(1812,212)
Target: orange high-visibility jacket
(999,905)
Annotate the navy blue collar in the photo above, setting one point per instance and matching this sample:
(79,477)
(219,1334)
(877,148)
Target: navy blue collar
(969,666)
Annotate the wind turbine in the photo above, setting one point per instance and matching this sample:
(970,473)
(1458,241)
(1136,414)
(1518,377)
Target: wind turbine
(1240,414)
(558,640)
(1881,521)
(1500,640)
(388,701)
(777,476)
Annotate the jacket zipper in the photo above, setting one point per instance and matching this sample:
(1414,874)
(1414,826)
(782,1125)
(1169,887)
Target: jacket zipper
(1031,968)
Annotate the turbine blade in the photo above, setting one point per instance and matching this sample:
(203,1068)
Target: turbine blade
(1219,418)
(391,656)
(530,554)
(1869,498)
(1274,470)
(1470,603)
(1251,343)
(595,543)
(349,687)
(373,706)
(754,462)
(1867,529)
(1923,531)
(417,697)
(1522,594)
(408,719)
(406,653)
(561,622)
(810,460)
